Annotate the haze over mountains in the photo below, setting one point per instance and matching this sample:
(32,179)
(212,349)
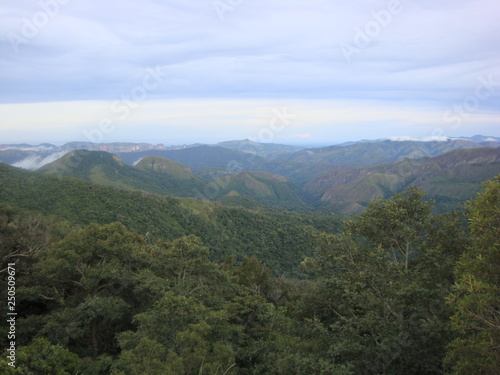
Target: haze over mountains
(35,156)
(343,178)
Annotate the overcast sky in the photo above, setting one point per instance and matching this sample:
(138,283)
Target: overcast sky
(289,71)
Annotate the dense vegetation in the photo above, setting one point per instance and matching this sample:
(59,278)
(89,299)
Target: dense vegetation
(98,294)
(107,169)
(294,180)
(278,238)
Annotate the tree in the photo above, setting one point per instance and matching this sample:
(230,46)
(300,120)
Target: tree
(86,281)
(41,357)
(383,284)
(476,294)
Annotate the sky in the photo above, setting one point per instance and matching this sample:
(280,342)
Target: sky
(283,71)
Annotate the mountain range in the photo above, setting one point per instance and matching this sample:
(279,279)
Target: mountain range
(340,178)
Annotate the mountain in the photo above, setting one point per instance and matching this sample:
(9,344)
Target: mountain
(280,239)
(159,175)
(481,139)
(33,157)
(361,153)
(165,166)
(261,149)
(201,158)
(384,152)
(451,178)
(153,174)
(112,147)
(259,187)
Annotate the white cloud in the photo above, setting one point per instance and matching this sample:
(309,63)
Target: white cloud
(304,135)
(427,59)
(423,139)
(186,121)
(35,162)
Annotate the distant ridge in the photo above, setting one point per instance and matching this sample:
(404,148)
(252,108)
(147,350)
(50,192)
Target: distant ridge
(262,149)
(452,177)
(261,187)
(370,154)
(34,156)
(168,178)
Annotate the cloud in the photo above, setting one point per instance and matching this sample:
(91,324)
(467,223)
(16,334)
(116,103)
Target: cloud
(261,49)
(187,121)
(423,139)
(428,57)
(137,162)
(304,135)
(39,149)
(36,161)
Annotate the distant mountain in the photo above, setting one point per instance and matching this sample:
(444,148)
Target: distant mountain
(112,147)
(153,174)
(450,178)
(201,158)
(262,188)
(166,166)
(481,139)
(360,153)
(163,176)
(343,177)
(370,154)
(33,157)
(261,149)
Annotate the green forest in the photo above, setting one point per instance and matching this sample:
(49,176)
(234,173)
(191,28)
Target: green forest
(120,282)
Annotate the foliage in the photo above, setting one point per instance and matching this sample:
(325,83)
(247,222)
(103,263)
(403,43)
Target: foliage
(383,282)
(41,357)
(268,234)
(476,294)
(200,288)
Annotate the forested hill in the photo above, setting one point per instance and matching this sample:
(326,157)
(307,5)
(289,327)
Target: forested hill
(381,152)
(397,290)
(278,238)
(450,179)
(153,174)
(200,158)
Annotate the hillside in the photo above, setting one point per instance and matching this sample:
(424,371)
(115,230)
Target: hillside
(383,152)
(165,166)
(452,177)
(200,158)
(159,175)
(261,149)
(155,175)
(278,238)
(261,187)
